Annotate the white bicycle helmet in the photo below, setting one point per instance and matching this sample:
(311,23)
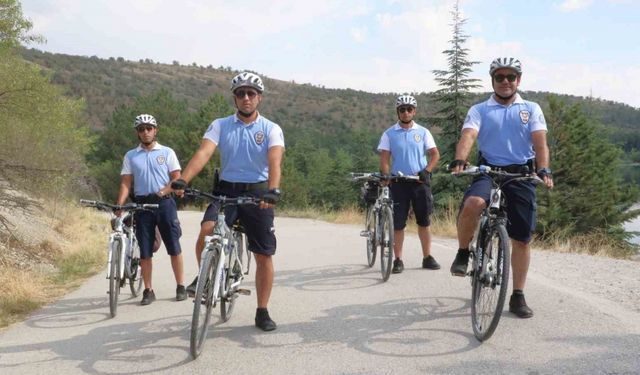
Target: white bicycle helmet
(406,100)
(505,62)
(145,119)
(247,79)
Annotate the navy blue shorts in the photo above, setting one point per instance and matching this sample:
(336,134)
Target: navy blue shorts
(257,222)
(521,205)
(419,196)
(165,218)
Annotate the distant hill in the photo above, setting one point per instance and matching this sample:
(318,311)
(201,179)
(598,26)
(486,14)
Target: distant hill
(108,83)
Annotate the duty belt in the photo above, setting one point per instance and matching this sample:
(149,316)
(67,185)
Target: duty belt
(243,186)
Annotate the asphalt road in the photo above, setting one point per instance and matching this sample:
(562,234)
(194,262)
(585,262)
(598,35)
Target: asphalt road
(334,316)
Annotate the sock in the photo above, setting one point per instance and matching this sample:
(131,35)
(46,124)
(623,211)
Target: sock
(518,292)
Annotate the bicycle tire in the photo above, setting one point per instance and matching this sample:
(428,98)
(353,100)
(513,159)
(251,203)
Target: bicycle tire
(114,276)
(135,271)
(231,272)
(487,298)
(369,224)
(203,297)
(386,242)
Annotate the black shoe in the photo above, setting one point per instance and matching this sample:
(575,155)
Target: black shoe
(263,320)
(430,263)
(459,265)
(191,289)
(398,266)
(148,296)
(181,293)
(518,306)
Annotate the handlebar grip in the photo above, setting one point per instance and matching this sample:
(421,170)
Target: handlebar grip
(150,205)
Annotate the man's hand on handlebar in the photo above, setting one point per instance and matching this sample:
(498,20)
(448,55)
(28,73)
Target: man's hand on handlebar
(178,186)
(270,198)
(457,166)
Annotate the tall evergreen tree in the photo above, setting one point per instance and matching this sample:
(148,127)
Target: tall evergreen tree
(589,193)
(454,94)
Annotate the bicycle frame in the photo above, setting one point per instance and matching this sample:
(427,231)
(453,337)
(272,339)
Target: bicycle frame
(127,237)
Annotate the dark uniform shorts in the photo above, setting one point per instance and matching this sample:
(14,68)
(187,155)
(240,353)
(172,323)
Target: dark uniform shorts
(166,218)
(416,194)
(521,205)
(257,222)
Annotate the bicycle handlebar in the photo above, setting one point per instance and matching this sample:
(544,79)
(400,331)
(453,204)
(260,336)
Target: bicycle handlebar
(104,206)
(222,198)
(381,177)
(473,170)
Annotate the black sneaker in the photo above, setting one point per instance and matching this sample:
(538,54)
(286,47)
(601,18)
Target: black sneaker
(430,263)
(181,293)
(263,320)
(459,265)
(148,296)
(398,266)
(518,306)
(191,289)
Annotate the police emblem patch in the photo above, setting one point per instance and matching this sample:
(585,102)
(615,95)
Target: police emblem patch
(524,116)
(259,137)
(417,138)
(161,159)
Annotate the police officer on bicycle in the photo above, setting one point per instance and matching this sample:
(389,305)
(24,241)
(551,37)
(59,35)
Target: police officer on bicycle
(149,168)
(512,136)
(251,149)
(409,148)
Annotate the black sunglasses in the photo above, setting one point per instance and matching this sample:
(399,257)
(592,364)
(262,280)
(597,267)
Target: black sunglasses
(241,93)
(405,109)
(148,128)
(500,77)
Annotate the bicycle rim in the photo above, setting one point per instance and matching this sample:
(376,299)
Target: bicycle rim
(487,298)
(114,279)
(202,303)
(369,223)
(135,272)
(232,269)
(386,242)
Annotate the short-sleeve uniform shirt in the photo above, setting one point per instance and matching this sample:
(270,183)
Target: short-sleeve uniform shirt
(504,132)
(244,147)
(408,147)
(150,169)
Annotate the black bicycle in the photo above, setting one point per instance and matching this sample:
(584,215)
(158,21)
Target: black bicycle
(490,252)
(123,253)
(378,222)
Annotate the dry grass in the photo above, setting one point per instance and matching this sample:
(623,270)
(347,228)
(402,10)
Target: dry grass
(80,254)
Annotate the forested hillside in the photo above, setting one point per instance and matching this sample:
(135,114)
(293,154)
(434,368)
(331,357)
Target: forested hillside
(107,83)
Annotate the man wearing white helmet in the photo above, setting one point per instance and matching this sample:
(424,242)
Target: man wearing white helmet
(251,149)
(512,135)
(409,148)
(149,168)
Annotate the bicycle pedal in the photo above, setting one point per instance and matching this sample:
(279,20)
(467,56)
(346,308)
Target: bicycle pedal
(244,292)
(364,233)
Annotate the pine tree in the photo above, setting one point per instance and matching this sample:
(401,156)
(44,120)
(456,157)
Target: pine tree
(454,94)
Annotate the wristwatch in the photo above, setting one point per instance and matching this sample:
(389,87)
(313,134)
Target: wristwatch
(275,191)
(545,171)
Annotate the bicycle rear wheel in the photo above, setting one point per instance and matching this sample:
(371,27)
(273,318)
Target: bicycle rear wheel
(203,302)
(114,276)
(386,242)
(135,272)
(369,224)
(232,273)
(490,283)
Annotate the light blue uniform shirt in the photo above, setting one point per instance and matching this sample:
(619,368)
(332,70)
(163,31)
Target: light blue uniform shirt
(504,132)
(408,147)
(150,169)
(244,147)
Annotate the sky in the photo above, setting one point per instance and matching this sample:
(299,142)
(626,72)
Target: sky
(577,47)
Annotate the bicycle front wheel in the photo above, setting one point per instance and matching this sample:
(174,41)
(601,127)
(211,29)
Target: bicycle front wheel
(135,272)
(490,283)
(386,242)
(369,225)
(114,276)
(203,302)
(231,273)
